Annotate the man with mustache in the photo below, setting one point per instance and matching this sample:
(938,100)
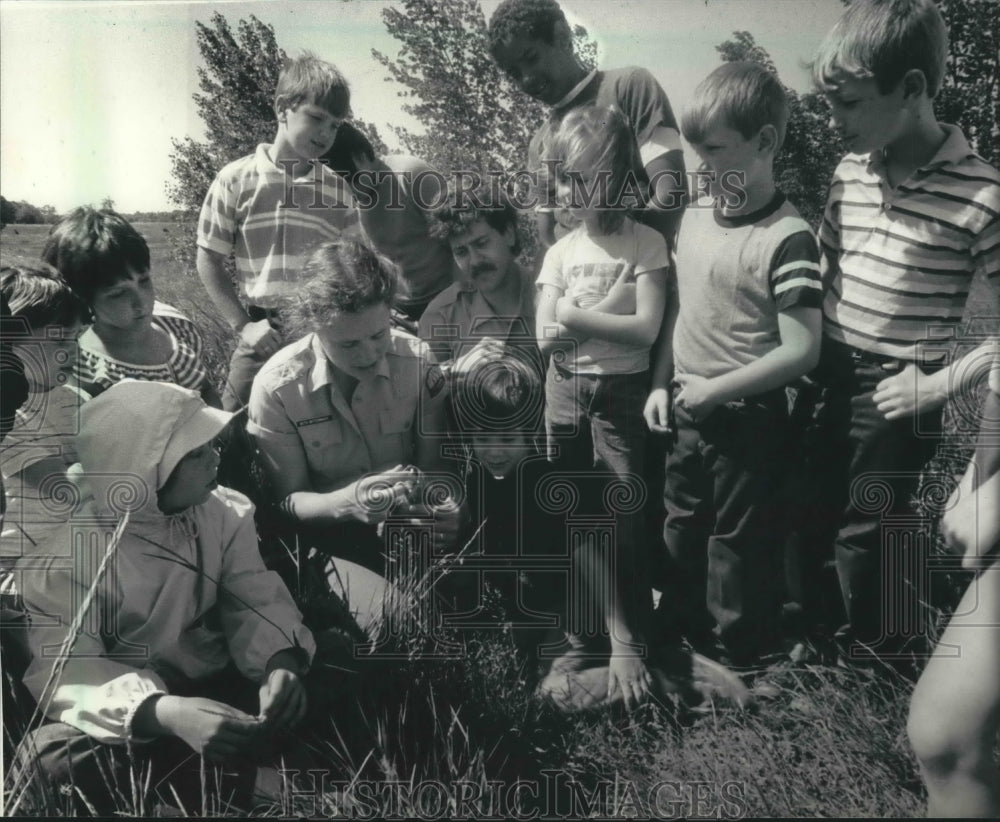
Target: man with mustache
(494,297)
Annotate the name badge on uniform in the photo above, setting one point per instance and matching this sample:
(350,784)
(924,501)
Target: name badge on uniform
(313,421)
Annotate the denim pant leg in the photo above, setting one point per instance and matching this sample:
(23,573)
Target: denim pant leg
(57,754)
(885,459)
(745,453)
(687,500)
(571,450)
(567,424)
(816,494)
(243,367)
(619,440)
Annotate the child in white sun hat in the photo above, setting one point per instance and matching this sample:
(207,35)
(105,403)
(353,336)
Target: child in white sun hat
(188,645)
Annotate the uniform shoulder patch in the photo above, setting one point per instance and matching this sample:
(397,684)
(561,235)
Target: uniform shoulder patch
(434,381)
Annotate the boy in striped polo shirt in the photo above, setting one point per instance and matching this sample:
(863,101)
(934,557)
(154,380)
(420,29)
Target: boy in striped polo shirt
(749,323)
(913,215)
(269,209)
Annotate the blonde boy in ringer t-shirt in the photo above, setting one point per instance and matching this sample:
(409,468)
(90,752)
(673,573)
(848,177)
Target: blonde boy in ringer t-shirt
(749,323)
(269,209)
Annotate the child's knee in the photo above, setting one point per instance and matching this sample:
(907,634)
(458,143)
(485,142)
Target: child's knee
(941,744)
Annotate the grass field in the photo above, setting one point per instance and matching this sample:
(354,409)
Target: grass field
(823,741)
(175,284)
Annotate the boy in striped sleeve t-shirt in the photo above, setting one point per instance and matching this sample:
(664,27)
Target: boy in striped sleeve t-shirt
(269,209)
(749,323)
(913,215)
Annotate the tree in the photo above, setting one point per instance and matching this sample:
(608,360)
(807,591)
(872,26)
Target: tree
(8,211)
(474,117)
(237,86)
(970,93)
(811,150)
(108,204)
(26,213)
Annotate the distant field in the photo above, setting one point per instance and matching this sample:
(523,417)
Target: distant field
(176,281)
(23,244)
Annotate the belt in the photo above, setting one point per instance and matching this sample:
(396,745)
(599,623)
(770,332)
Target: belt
(884,361)
(258,313)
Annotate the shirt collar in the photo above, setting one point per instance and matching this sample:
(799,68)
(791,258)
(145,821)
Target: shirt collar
(953,150)
(527,292)
(321,374)
(576,90)
(762,213)
(267,166)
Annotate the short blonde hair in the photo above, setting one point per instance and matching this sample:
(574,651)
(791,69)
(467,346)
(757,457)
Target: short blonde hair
(882,40)
(741,95)
(307,79)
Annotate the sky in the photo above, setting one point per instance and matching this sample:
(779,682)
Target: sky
(91,93)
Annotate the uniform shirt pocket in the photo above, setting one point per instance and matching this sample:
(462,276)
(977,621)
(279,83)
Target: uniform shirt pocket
(322,440)
(392,421)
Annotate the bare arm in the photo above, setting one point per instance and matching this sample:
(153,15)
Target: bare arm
(260,335)
(657,409)
(640,328)
(667,196)
(552,335)
(212,271)
(797,354)
(912,392)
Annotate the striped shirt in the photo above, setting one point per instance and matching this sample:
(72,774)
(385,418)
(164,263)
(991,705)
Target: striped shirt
(899,261)
(735,274)
(96,371)
(270,221)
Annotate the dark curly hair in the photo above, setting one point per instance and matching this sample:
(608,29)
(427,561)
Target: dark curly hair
(339,277)
(466,206)
(534,19)
(94,249)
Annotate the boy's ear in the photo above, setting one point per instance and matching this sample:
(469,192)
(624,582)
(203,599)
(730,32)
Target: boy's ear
(914,84)
(767,139)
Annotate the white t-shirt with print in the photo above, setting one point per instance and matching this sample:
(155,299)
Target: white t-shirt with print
(585,266)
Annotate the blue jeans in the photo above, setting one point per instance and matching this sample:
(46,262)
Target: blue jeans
(724,522)
(865,469)
(245,363)
(596,434)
